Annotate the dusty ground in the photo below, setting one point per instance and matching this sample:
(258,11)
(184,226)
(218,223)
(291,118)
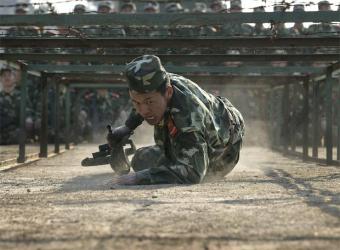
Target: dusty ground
(267,202)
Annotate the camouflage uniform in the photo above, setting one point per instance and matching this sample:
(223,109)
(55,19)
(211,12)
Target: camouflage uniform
(298,28)
(79,9)
(218,6)
(279,29)
(259,29)
(200,133)
(107,30)
(236,29)
(10,115)
(323,29)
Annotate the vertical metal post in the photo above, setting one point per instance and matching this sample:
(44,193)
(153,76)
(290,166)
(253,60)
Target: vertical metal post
(306,117)
(44,116)
(68,117)
(57,117)
(285,126)
(292,117)
(338,120)
(329,116)
(23,102)
(316,119)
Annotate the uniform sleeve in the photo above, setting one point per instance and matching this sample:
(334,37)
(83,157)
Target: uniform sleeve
(190,154)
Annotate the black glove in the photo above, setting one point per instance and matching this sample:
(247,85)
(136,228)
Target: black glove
(118,134)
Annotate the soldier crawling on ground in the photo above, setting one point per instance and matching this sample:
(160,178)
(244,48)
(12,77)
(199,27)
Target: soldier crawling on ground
(197,135)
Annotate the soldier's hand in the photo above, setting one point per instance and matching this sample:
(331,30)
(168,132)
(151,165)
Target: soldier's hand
(117,135)
(126,179)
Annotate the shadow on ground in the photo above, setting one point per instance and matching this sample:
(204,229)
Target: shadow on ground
(326,200)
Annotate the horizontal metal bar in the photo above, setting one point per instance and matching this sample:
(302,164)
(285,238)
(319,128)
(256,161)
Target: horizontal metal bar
(211,58)
(99,85)
(243,70)
(334,68)
(216,42)
(202,79)
(167,19)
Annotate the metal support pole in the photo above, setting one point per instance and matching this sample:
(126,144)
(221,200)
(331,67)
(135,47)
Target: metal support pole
(316,119)
(67,118)
(23,102)
(306,117)
(338,122)
(57,117)
(44,116)
(285,125)
(329,117)
(292,117)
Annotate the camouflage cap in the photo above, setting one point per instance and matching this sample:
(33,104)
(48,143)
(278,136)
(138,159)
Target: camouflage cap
(79,8)
(324,3)
(104,5)
(299,7)
(151,5)
(22,6)
(200,7)
(279,8)
(220,3)
(173,8)
(235,4)
(129,5)
(146,74)
(259,9)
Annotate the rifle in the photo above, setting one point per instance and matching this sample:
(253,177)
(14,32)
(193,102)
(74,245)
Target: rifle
(115,151)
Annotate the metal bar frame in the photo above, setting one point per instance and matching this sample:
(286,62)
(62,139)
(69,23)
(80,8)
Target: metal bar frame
(44,117)
(23,102)
(306,120)
(212,58)
(172,19)
(170,42)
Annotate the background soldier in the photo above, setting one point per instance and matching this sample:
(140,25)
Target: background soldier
(179,30)
(236,29)
(279,29)
(10,109)
(259,29)
(298,28)
(204,30)
(323,29)
(217,6)
(128,8)
(79,9)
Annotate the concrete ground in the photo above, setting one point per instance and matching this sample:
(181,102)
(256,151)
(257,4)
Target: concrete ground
(268,202)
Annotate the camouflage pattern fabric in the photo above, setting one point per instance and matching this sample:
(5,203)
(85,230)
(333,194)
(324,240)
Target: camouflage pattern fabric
(260,30)
(323,29)
(236,29)
(10,115)
(145,74)
(200,133)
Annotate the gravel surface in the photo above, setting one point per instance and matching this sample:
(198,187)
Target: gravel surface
(268,202)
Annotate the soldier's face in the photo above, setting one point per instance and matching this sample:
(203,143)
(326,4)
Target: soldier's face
(150,11)
(7,79)
(126,10)
(324,7)
(103,10)
(216,8)
(151,106)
